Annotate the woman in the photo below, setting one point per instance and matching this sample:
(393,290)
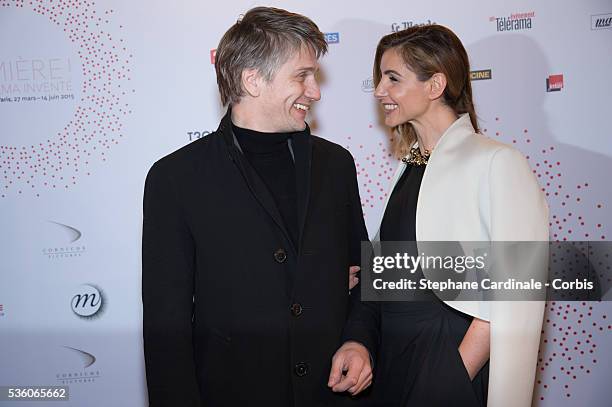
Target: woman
(453,184)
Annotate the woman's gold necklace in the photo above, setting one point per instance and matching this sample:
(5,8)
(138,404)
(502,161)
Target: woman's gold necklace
(416,157)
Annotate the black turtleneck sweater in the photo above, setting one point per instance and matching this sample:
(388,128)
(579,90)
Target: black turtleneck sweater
(269,155)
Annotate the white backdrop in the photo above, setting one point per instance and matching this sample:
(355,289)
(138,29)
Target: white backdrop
(92,93)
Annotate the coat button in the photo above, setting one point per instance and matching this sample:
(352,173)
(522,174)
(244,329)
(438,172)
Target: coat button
(280,256)
(301,369)
(296,310)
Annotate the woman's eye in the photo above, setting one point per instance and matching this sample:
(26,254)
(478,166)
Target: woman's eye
(392,79)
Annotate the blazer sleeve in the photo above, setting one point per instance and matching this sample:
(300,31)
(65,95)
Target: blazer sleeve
(363,323)
(518,213)
(167,295)
(358,232)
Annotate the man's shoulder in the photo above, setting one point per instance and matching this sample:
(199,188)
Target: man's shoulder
(188,156)
(331,148)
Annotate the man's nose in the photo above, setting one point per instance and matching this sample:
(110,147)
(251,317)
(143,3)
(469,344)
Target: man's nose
(313,91)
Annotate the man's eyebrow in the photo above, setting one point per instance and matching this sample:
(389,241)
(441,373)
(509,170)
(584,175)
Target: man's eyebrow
(307,69)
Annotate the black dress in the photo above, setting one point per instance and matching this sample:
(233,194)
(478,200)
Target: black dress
(418,362)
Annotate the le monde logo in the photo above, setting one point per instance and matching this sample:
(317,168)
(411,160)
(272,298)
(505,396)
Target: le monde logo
(395,27)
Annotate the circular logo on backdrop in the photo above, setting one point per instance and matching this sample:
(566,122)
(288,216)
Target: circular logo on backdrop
(87,301)
(64,89)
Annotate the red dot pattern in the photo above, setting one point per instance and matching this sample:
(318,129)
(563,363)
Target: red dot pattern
(98,120)
(374,170)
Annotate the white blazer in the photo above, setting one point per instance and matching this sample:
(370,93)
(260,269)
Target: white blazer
(478,189)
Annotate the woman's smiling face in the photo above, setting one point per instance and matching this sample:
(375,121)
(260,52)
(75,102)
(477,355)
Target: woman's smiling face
(403,96)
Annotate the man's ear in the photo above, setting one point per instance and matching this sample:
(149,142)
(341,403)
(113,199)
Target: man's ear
(437,85)
(251,82)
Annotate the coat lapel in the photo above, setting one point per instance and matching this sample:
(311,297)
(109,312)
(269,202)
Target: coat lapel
(302,150)
(453,137)
(254,182)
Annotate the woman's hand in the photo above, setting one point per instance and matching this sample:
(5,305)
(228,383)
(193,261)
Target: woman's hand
(475,346)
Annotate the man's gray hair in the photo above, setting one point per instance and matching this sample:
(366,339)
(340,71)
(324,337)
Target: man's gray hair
(263,39)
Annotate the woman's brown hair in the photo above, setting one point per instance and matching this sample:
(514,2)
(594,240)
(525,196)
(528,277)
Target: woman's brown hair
(427,50)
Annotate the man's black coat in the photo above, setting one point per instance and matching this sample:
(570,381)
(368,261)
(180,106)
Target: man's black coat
(234,314)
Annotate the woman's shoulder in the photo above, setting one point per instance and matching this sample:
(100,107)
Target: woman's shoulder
(492,149)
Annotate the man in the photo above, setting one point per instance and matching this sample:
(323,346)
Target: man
(247,236)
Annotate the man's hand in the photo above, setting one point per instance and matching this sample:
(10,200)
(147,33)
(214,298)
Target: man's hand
(353,279)
(351,369)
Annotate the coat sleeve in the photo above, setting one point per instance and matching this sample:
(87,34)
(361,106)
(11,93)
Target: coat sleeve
(167,295)
(363,323)
(358,232)
(518,213)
